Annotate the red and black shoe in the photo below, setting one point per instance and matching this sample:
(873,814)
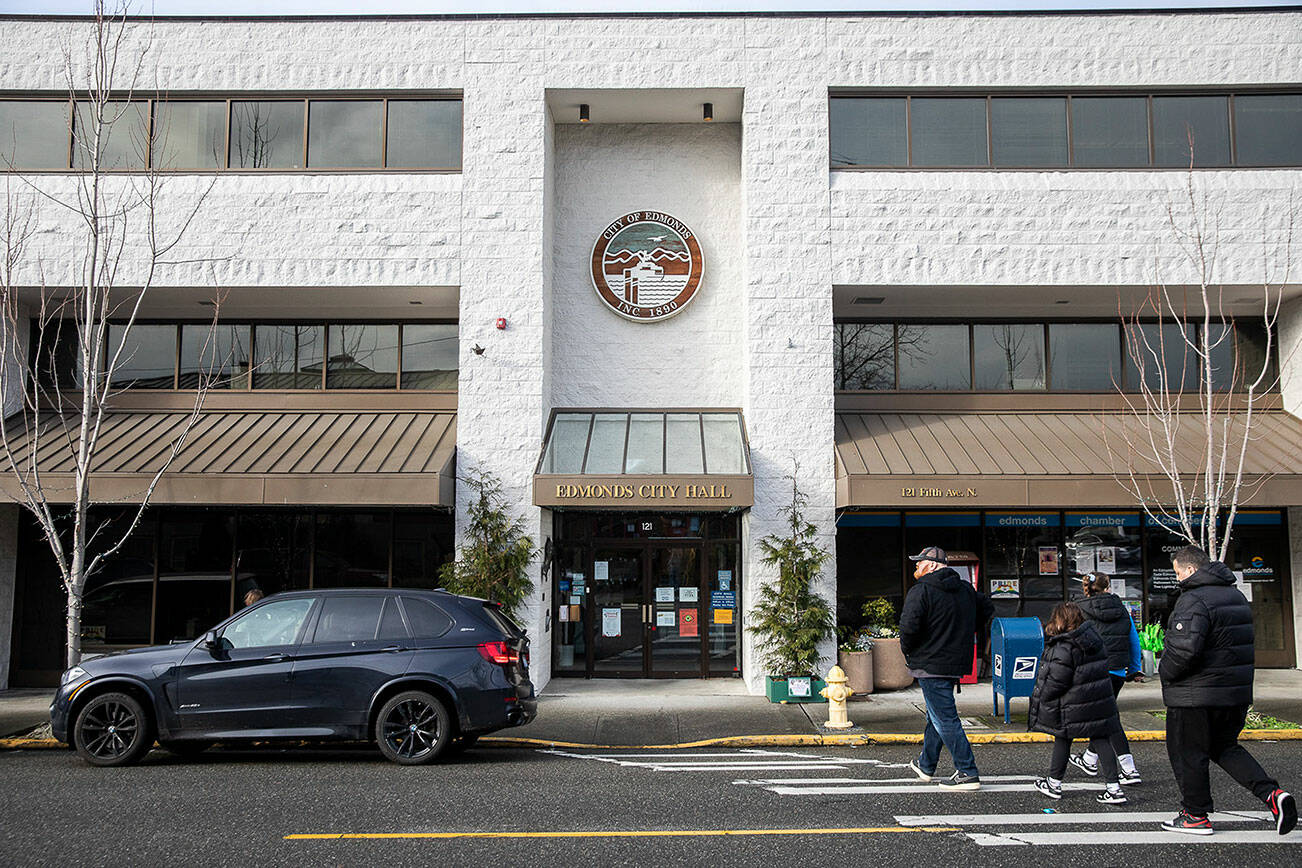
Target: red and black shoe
(1284,808)
(1189,824)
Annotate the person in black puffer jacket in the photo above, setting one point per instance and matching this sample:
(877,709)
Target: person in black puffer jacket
(1110,617)
(1073,699)
(1206,672)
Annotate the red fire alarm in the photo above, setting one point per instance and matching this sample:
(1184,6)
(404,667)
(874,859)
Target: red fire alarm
(501,322)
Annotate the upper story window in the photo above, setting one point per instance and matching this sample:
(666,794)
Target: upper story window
(239,356)
(207,133)
(1039,356)
(1065,130)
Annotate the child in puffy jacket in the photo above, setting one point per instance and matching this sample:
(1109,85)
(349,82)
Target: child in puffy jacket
(1073,699)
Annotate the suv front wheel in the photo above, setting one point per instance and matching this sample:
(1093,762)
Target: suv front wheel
(413,728)
(113,729)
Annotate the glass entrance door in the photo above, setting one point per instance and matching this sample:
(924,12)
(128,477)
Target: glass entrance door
(675,592)
(618,612)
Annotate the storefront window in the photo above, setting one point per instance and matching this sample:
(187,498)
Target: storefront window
(1107,543)
(1160,544)
(119,597)
(352,550)
(869,552)
(420,548)
(723,576)
(195,550)
(1258,555)
(273,553)
(1023,555)
(952,531)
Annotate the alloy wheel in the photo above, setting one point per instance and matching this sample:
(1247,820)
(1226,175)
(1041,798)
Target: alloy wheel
(411,729)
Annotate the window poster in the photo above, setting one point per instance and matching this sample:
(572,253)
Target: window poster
(563,613)
(722,616)
(1085,560)
(687,619)
(665,595)
(1005,587)
(665,619)
(601,571)
(1105,559)
(725,580)
(610,623)
(688,595)
(1118,587)
(1048,560)
(1136,610)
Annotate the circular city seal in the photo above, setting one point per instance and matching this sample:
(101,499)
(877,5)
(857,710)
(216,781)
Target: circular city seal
(647,266)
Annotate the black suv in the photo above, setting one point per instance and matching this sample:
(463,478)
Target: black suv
(415,672)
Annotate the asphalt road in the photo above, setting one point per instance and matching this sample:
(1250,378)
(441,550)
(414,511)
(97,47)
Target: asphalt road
(831,806)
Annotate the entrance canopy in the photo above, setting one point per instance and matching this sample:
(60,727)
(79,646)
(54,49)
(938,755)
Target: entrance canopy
(636,459)
(1040,459)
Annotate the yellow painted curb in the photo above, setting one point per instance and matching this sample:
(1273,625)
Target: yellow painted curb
(28,743)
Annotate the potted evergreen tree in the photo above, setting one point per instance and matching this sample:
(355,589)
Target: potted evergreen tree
(790,620)
(495,550)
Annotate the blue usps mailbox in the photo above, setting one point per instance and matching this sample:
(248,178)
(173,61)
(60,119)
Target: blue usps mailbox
(1015,648)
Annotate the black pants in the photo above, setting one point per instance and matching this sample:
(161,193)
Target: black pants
(1101,746)
(1118,739)
(1196,735)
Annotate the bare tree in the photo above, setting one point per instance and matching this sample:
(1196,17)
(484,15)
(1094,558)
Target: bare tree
(127,234)
(1195,384)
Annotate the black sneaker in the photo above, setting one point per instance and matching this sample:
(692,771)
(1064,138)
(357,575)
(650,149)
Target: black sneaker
(960,781)
(1079,761)
(917,770)
(1111,797)
(1284,808)
(1045,787)
(1189,824)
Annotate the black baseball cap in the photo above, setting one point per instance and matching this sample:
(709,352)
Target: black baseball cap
(931,553)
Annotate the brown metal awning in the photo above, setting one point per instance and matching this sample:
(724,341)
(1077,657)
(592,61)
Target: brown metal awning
(645,459)
(258,456)
(1038,459)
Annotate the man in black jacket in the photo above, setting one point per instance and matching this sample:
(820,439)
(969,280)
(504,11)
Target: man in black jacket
(1206,673)
(942,613)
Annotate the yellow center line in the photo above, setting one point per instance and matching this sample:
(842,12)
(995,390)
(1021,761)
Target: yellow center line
(629,833)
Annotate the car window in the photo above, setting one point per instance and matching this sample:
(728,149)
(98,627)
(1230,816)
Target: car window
(428,621)
(349,619)
(391,626)
(275,623)
(498,617)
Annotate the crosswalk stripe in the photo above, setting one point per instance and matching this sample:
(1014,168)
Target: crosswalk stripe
(1095,838)
(1065,819)
(915,787)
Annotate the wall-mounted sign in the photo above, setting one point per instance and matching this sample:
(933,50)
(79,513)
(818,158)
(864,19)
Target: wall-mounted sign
(647,266)
(655,491)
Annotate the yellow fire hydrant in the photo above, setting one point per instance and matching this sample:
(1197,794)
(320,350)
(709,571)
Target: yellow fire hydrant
(837,692)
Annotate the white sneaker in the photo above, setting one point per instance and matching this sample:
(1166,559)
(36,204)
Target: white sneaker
(1126,777)
(1111,797)
(1079,761)
(917,770)
(1044,787)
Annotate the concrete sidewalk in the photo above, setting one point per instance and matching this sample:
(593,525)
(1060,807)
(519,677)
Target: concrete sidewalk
(627,713)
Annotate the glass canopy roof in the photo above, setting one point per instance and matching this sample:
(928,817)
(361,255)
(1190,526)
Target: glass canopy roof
(640,442)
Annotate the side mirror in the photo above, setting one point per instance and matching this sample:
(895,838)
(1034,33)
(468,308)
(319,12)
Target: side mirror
(210,640)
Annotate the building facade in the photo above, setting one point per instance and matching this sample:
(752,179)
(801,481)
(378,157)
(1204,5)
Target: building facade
(646,269)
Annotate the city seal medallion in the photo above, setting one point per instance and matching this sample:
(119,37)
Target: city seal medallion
(647,266)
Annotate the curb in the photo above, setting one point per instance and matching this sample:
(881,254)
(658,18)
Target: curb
(813,740)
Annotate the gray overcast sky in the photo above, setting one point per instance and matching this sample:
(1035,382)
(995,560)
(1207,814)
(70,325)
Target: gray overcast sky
(381,7)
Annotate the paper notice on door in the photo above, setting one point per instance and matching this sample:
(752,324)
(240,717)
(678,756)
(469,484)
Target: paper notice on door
(601,571)
(1085,560)
(723,616)
(688,595)
(665,619)
(664,595)
(1105,559)
(610,622)
(687,622)
(1118,587)
(563,614)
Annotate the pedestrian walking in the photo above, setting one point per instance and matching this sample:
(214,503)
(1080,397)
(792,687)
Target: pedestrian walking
(1112,620)
(938,626)
(1073,699)
(1206,672)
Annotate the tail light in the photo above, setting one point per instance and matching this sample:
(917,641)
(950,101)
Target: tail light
(499,652)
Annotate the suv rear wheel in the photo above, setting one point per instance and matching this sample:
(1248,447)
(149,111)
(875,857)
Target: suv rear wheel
(413,728)
(113,729)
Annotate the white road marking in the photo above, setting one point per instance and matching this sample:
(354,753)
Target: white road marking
(745,760)
(1097,817)
(1094,838)
(916,787)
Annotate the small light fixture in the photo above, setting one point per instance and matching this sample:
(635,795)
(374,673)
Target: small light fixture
(708,114)
(583,112)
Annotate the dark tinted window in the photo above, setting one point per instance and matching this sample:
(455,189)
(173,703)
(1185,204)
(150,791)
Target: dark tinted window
(352,550)
(949,132)
(1009,356)
(1267,129)
(391,626)
(267,135)
(1028,131)
(288,356)
(429,356)
(935,357)
(1084,357)
(427,620)
(363,357)
(216,355)
(869,132)
(1109,131)
(344,134)
(1166,355)
(33,135)
(865,355)
(148,356)
(424,134)
(1178,120)
(348,619)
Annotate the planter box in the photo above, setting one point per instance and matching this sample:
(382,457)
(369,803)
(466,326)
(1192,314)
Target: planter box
(858,666)
(776,690)
(890,672)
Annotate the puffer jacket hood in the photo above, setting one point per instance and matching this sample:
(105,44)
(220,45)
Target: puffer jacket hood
(1112,620)
(1073,690)
(1210,644)
(945,578)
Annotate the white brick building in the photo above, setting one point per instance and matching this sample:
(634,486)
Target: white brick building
(791,241)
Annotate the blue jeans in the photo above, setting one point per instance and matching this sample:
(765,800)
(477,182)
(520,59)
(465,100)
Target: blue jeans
(943,728)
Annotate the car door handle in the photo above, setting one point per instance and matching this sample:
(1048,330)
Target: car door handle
(276,658)
(392,648)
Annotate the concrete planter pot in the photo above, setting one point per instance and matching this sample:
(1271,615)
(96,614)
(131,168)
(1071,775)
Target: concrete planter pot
(890,672)
(858,666)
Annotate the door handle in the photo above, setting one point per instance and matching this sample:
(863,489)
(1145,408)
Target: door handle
(392,648)
(276,657)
